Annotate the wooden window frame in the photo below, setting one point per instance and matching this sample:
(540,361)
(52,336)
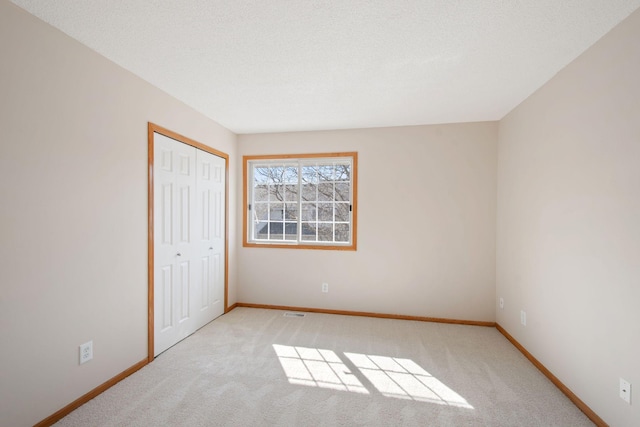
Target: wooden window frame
(352,246)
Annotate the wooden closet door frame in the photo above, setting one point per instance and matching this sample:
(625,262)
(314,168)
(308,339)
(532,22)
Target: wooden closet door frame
(153,128)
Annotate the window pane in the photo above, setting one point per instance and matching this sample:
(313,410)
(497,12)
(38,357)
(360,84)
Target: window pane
(260,193)
(325,173)
(309,212)
(342,212)
(343,172)
(325,211)
(310,174)
(291,192)
(342,193)
(276,211)
(276,174)
(261,211)
(276,230)
(291,231)
(291,211)
(262,230)
(276,193)
(325,232)
(309,192)
(325,191)
(309,230)
(291,175)
(342,232)
(261,175)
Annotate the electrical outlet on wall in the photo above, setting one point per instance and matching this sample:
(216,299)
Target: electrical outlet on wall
(625,391)
(325,287)
(501,302)
(86,352)
(523,318)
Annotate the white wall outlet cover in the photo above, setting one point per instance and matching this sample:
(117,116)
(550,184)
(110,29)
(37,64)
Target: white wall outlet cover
(625,390)
(523,318)
(501,302)
(86,352)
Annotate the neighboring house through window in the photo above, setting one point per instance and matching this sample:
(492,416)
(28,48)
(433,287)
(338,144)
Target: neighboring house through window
(301,201)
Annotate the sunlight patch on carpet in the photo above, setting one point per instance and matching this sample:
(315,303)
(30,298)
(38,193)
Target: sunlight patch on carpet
(317,367)
(391,376)
(405,379)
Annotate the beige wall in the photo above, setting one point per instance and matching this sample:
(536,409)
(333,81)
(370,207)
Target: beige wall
(426,226)
(73,214)
(569,223)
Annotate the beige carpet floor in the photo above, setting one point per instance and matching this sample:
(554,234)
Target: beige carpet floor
(255,367)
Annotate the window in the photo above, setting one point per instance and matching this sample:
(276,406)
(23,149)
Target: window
(301,201)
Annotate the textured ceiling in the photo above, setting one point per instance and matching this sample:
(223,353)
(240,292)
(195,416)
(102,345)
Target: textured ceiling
(284,65)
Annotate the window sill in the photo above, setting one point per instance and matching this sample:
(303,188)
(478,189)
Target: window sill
(351,247)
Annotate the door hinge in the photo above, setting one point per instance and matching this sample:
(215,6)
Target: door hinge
(350,208)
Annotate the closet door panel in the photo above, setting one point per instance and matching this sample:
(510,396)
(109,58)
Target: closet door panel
(174,237)
(211,188)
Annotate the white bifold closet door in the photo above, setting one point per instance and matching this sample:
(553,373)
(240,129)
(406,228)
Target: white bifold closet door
(189,240)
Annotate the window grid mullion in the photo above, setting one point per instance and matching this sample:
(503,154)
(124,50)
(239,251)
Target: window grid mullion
(316,181)
(333,204)
(299,239)
(252,208)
